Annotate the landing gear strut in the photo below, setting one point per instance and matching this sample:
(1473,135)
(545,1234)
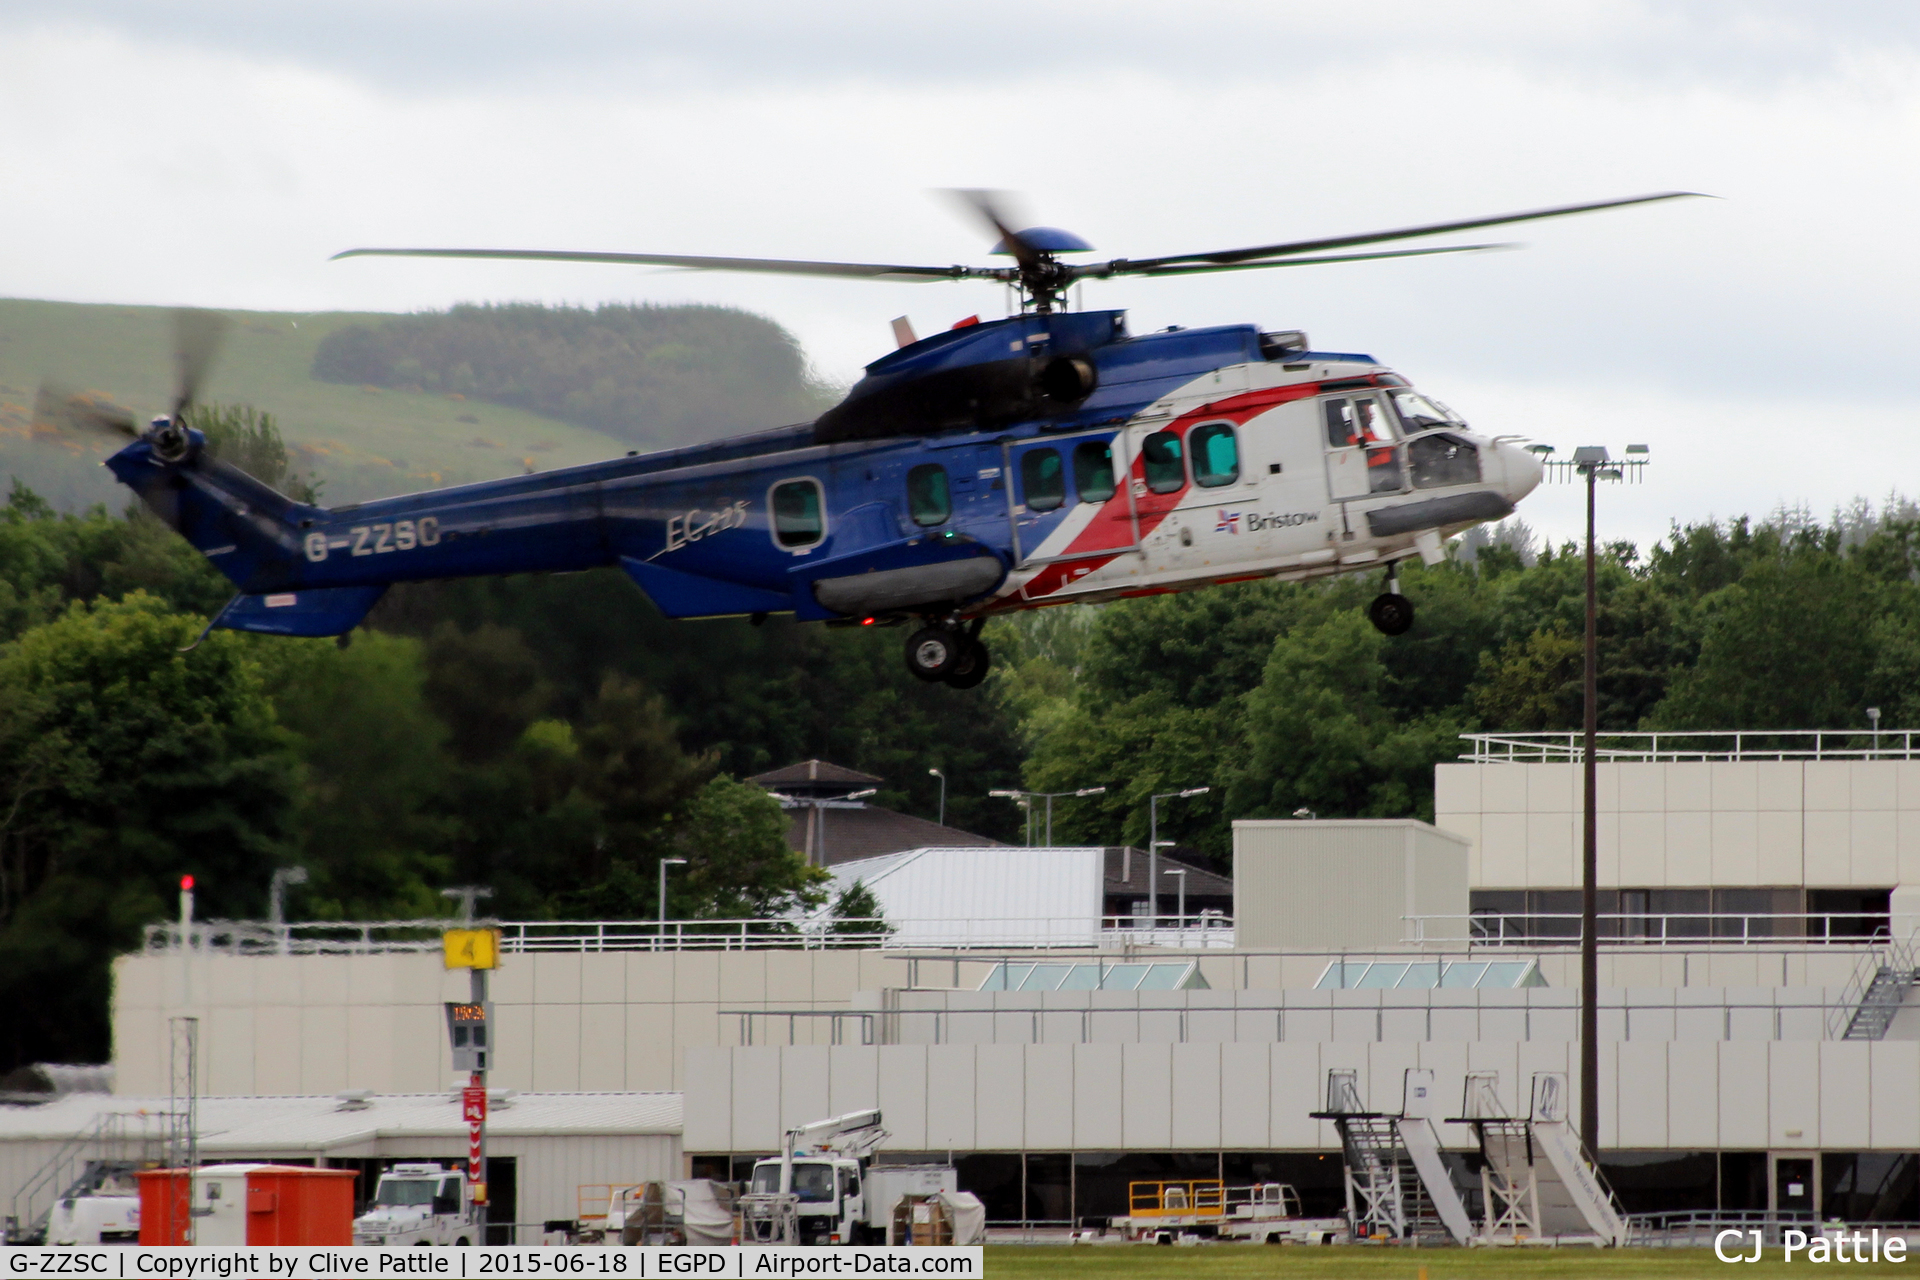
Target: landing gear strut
(1391,613)
(950,654)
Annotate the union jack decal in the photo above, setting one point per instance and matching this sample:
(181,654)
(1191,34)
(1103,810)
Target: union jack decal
(1229,522)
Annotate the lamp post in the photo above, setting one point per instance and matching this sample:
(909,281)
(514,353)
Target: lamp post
(1153,846)
(1591,464)
(943,795)
(664,864)
(1049,797)
(277,901)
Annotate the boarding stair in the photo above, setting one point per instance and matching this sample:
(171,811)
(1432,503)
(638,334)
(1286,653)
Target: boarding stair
(117,1142)
(1538,1182)
(1397,1184)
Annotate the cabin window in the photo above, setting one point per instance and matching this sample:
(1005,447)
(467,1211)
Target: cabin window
(799,517)
(1160,452)
(1043,478)
(1093,471)
(927,498)
(1216,454)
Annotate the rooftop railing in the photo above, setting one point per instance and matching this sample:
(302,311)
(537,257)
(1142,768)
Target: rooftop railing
(344,937)
(1726,745)
(1562,929)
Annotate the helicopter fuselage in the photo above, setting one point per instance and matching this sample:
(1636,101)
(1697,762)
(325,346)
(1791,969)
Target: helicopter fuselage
(1001,466)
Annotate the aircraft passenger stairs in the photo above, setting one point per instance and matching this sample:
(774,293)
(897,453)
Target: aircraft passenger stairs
(1398,1186)
(1538,1181)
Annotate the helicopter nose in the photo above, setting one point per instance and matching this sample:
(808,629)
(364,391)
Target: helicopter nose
(1524,471)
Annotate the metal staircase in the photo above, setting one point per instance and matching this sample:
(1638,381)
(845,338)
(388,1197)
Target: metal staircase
(117,1142)
(1884,994)
(1387,1196)
(1539,1182)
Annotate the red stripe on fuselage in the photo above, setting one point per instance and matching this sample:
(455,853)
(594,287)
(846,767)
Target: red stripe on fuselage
(1110,524)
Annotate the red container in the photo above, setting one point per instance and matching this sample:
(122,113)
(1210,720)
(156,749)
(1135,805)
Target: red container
(264,1204)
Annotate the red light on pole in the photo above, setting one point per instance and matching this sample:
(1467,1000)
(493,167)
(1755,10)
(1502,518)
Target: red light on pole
(186,884)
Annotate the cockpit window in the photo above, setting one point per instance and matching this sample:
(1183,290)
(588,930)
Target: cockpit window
(1418,413)
(1442,459)
(1376,424)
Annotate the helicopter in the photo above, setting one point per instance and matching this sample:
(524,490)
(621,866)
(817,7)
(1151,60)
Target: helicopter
(1045,458)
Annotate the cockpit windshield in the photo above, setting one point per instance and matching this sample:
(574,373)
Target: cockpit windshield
(1421,413)
(404,1191)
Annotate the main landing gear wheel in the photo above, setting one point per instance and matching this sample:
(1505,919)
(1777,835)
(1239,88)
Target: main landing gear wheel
(970,668)
(1391,613)
(933,652)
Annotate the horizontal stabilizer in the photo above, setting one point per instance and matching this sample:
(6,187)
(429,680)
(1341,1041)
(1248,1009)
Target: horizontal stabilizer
(321,611)
(692,595)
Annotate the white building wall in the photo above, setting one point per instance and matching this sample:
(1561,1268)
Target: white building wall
(1825,823)
(1684,1095)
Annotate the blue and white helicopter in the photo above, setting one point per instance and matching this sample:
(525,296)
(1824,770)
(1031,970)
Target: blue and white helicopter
(1044,458)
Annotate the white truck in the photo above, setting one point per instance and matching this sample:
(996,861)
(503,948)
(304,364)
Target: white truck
(824,1189)
(421,1204)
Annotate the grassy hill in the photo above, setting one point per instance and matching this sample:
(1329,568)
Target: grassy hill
(362,441)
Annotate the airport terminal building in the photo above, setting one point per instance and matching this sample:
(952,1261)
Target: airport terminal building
(1760,1039)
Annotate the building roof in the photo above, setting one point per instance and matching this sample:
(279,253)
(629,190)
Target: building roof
(846,832)
(1127,874)
(815,777)
(1006,895)
(232,1127)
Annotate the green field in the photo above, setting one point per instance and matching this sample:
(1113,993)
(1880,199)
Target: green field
(364,442)
(1368,1263)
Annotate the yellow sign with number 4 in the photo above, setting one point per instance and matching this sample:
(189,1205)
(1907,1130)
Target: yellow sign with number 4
(471,948)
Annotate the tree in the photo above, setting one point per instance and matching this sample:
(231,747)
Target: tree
(141,764)
(858,914)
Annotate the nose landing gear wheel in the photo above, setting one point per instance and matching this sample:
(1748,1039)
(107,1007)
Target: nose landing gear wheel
(933,652)
(1391,613)
(970,668)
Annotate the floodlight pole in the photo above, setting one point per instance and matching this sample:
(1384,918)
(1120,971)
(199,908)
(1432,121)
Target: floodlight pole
(1153,849)
(943,794)
(1590,870)
(664,864)
(1591,464)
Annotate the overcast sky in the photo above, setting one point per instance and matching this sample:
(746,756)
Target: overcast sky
(217,151)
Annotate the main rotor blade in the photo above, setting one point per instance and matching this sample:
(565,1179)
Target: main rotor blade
(62,409)
(774,266)
(196,336)
(991,208)
(1142,265)
(1100,270)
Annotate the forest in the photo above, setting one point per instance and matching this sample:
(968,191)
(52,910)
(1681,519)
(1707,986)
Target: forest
(554,736)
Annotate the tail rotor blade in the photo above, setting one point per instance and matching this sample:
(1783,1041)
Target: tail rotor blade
(61,409)
(196,337)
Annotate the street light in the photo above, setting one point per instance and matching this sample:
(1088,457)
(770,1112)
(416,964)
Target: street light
(664,864)
(1153,846)
(1049,797)
(943,794)
(1592,464)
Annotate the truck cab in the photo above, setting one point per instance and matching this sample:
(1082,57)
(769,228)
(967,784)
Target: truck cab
(415,1204)
(831,1201)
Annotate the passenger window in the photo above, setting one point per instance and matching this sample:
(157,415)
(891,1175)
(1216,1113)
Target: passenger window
(1093,471)
(927,498)
(1342,432)
(1216,454)
(1043,479)
(1161,454)
(798,518)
